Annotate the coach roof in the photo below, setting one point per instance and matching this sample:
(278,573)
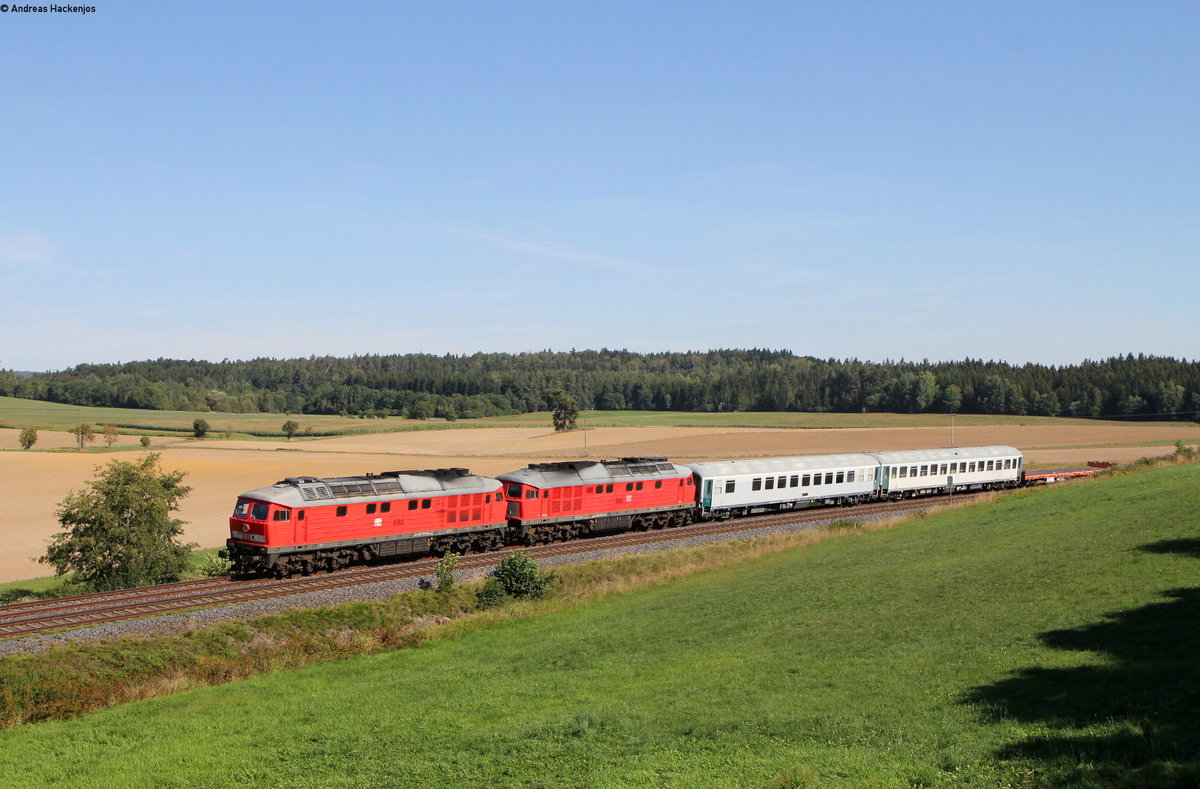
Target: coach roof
(732,468)
(953,453)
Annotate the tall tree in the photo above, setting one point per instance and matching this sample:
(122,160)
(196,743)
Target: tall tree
(290,427)
(83,433)
(119,533)
(110,435)
(565,410)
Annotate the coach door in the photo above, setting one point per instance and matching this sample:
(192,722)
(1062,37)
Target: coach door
(707,500)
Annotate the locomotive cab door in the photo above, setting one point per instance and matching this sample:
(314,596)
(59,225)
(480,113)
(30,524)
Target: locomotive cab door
(300,534)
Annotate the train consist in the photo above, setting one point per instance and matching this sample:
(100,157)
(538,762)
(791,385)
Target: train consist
(303,524)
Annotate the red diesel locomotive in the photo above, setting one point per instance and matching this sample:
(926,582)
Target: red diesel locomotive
(302,524)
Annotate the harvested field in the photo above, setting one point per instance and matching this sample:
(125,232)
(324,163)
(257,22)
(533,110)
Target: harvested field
(218,470)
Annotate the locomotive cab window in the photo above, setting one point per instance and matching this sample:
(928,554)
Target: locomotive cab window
(639,486)
(658,483)
(608,488)
(341,511)
(283,515)
(514,491)
(599,488)
(385,507)
(628,486)
(371,508)
(531,494)
(299,515)
(412,504)
(426,503)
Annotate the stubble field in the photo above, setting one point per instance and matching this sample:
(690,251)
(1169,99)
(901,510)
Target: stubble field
(34,482)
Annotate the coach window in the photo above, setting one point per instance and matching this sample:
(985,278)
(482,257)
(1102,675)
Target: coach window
(730,485)
(991,465)
(794,482)
(806,481)
(341,511)
(782,483)
(371,508)
(770,483)
(841,477)
(850,475)
(283,515)
(904,471)
(756,484)
(912,472)
(893,475)
(816,479)
(426,503)
(385,507)
(924,471)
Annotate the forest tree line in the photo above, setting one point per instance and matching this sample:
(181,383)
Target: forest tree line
(424,385)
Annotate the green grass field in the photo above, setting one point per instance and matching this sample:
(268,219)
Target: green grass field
(1045,639)
(18,413)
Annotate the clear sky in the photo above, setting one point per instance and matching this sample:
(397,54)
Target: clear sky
(880,180)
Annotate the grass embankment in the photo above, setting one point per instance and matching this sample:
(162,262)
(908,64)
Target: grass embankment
(1046,638)
(47,586)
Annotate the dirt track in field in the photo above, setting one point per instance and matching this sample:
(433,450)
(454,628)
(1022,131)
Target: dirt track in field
(32,483)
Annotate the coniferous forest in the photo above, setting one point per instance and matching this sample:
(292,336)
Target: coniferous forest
(423,385)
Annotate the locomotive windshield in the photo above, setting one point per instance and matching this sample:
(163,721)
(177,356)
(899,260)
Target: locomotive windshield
(250,509)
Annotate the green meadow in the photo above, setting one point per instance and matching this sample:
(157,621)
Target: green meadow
(19,413)
(1045,638)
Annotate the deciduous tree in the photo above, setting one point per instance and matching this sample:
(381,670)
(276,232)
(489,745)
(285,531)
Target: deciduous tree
(110,435)
(290,427)
(83,433)
(118,532)
(565,410)
(28,437)
(200,428)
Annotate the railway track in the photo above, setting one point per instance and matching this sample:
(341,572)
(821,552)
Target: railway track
(42,616)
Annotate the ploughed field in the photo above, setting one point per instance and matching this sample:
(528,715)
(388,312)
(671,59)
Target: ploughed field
(218,469)
(1044,638)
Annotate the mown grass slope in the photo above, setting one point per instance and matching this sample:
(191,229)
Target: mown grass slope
(1047,638)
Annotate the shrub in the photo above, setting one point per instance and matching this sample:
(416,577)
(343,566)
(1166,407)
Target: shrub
(146,442)
(28,437)
(213,566)
(491,594)
(520,576)
(445,571)
(200,428)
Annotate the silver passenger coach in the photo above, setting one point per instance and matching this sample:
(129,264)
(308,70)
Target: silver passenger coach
(741,487)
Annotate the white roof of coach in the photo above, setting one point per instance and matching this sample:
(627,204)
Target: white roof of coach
(729,468)
(956,453)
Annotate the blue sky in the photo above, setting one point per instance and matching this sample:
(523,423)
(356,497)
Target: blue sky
(1017,181)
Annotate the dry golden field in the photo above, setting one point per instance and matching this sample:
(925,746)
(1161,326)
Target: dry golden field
(34,482)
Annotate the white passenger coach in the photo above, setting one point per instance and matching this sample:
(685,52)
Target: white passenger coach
(740,487)
(925,471)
